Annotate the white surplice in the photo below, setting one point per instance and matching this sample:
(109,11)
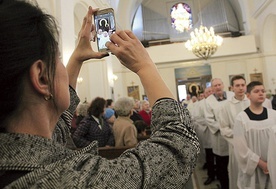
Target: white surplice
(227,115)
(201,124)
(267,103)
(251,142)
(201,127)
(213,107)
(271,159)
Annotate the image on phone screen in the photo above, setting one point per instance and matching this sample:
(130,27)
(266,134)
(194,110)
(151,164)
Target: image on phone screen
(105,26)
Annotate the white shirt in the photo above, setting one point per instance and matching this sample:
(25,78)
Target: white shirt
(191,105)
(213,106)
(103,41)
(251,142)
(228,114)
(98,121)
(201,127)
(267,103)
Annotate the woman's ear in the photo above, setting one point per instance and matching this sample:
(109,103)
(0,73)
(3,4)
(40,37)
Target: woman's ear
(38,78)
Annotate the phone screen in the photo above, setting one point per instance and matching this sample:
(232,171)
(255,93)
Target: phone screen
(105,26)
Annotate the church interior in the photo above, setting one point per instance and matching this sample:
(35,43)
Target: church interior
(247,28)
(248,48)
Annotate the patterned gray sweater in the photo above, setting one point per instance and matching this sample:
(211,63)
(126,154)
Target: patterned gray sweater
(166,160)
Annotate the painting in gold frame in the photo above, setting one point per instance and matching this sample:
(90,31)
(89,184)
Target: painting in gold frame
(133,91)
(256,77)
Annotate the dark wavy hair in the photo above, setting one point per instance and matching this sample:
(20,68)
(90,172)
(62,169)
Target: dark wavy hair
(97,107)
(27,34)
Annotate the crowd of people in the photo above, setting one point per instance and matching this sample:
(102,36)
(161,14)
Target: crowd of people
(122,123)
(215,113)
(236,131)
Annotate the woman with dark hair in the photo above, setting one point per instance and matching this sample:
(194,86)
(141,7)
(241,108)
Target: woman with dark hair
(109,103)
(29,44)
(34,94)
(94,127)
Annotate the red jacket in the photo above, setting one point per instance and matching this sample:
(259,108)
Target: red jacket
(146,116)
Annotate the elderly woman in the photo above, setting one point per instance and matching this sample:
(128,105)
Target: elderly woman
(145,112)
(125,132)
(34,95)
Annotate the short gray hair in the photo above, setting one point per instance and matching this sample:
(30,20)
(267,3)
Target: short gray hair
(214,80)
(123,106)
(82,109)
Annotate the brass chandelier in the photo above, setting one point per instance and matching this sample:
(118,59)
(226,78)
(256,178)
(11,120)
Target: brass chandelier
(203,43)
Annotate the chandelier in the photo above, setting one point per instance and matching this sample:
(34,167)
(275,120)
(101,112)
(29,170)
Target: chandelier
(203,43)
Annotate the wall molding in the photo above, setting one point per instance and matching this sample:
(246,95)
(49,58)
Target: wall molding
(260,7)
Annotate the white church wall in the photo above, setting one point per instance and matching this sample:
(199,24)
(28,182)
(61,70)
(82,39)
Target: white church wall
(236,56)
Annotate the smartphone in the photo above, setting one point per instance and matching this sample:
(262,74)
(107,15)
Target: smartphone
(105,25)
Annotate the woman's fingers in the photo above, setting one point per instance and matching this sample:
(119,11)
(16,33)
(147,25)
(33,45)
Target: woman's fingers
(87,33)
(123,35)
(130,34)
(120,38)
(87,25)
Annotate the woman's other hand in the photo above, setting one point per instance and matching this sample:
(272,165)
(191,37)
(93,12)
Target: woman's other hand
(132,54)
(129,50)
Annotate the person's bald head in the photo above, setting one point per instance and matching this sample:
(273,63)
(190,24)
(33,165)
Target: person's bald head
(217,86)
(208,91)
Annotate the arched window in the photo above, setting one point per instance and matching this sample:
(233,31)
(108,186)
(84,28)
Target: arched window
(181,17)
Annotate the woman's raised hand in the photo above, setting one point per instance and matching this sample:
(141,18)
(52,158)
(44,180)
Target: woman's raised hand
(129,50)
(84,50)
